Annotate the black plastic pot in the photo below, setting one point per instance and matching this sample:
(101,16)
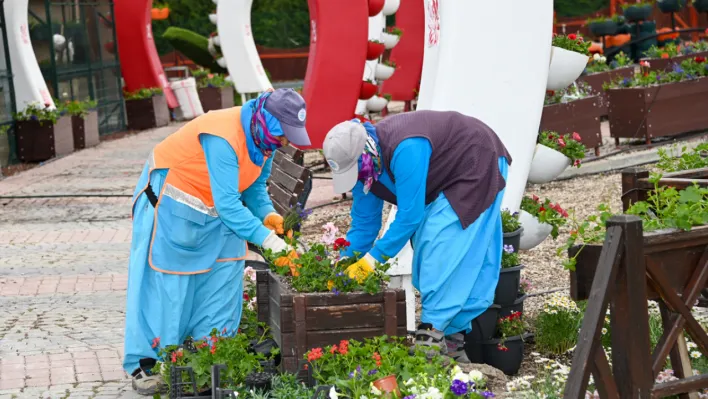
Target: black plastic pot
(257,265)
(483,329)
(701,5)
(508,286)
(514,239)
(671,5)
(637,13)
(603,28)
(509,360)
(259,381)
(516,306)
(266,348)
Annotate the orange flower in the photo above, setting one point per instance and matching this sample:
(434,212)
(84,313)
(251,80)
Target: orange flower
(665,55)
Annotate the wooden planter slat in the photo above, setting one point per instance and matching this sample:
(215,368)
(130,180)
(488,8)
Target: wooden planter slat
(39,142)
(214,98)
(85,130)
(659,111)
(300,322)
(147,113)
(597,80)
(581,116)
(662,64)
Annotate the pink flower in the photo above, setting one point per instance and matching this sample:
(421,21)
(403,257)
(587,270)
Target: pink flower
(250,273)
(561,142)
(645,64)
(330,233)
(576,136)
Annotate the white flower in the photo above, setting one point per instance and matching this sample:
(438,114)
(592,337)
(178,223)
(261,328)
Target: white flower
(462,377)
(374,390)
(691,345)
(333,394)
(409,382)
(250,273)
(596,57)
(252,304)
(330,233)
(604,331)
(695,354)
(477,377)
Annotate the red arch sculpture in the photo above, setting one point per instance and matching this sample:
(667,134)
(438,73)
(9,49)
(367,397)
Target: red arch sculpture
(140,64)
(408,53)
(335,68)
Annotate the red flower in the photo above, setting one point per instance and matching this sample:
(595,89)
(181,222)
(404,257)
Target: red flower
(314,354)
(550,92)
(580,38)
(502,348)
(213,339)
(246,297)
(572,36)
(542,209)
(156,342)
(576,136)
(576,162)
(344,347)
(341,243)
(700,59)
(213,349)
(561,142)
(535,198)
(377,358)
(174,357)
(333,349)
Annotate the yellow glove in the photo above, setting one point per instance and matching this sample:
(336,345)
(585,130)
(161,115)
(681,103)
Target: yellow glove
(274,222)
(288,261)
(361,269)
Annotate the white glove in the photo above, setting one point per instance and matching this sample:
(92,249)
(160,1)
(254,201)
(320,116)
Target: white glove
(275,243)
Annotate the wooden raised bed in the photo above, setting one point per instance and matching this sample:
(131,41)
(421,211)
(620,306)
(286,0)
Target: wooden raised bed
(658,111)
(676,252)
(581,116)
(85,130)
(597,80)
(300,322)
(39,142)
(147,113)
(662,64)
(215,98)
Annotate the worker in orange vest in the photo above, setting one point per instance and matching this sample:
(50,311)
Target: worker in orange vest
(191,227)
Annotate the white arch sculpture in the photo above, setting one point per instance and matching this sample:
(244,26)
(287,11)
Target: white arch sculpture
(240,57)
(29,83)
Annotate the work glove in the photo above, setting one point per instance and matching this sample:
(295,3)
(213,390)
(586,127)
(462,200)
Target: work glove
(361,269)
(277,244)
(274,222)
(288,261)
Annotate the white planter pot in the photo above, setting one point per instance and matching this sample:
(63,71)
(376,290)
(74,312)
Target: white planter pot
(534,232)
(547,164)
(390,7)
(389,40)
(212,18)
(376,104)
(566,67)
(222,62)
(383,72)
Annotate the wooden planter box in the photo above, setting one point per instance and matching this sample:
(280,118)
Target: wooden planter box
(662,64)
(38,143)
(85,130)
(597,80)
(300,322)
(147,113)
(658,111)
(581,116)
(214,98)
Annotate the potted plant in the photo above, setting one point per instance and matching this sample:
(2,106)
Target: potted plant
(636,12)
(664,58)
(43,132)
(602,26)
(160,11)
(84,122)
(368,89)
(375,7)
(376,103)
(215,91)
(509,278)
(146,108)
(575,109)
(569,56)
(671,5)
(553,154)
(700,5)
(507,352)
(512,229)
(539,219)
(384,70)
(599,71)
(374,50)
(517,306)
(390,7)
(391,37)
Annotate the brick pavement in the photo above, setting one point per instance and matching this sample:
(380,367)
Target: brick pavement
(63,272)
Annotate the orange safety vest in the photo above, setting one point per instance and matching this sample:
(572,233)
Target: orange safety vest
(187,183)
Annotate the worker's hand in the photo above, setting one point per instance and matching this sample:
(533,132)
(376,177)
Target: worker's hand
(274,222)
(361,269)
(288,261)
(275,243)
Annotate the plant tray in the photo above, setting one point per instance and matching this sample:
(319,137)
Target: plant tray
(214,98)
(40,142)
(581,116)
(659,111)
(300,322)
(85,130)
(147,113)
(597,80)
(662,64)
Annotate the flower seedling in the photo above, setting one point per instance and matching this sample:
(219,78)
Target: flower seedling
(510,326)
(545,212)
(572,42)
(510,221)
(509,257)
(568,145)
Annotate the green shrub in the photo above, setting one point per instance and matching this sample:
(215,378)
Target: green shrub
(194,46)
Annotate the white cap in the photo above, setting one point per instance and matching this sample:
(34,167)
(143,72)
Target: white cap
(342,147)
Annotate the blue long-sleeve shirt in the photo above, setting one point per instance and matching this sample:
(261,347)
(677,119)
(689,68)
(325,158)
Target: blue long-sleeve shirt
(222,164)
(410,166)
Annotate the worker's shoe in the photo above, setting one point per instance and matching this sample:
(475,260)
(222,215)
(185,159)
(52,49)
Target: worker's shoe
(456,348)
(146,383)
(430,340)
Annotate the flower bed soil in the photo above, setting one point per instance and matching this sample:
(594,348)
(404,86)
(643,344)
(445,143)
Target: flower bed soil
(300,322)
(581,116)
(597,80)
(662,64)
(658,111)
(215,98)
